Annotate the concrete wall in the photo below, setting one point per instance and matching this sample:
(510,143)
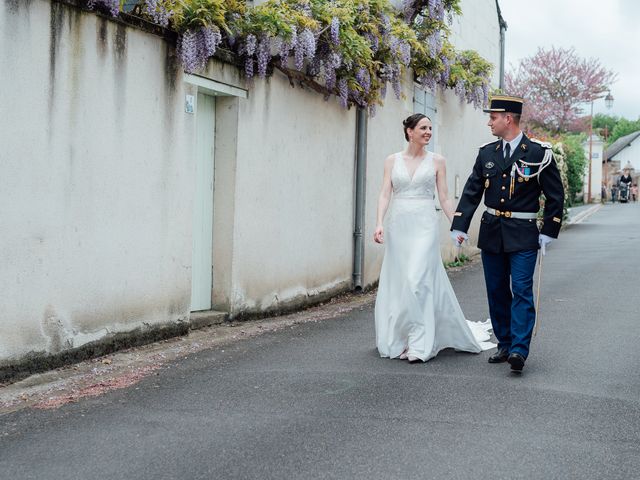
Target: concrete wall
(294,197)
(98,171)
(597,151)
(630,155)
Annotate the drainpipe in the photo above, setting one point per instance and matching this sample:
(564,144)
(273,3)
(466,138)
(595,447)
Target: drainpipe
(503,29)
(361,169)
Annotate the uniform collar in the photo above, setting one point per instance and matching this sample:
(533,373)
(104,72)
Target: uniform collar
(514,143)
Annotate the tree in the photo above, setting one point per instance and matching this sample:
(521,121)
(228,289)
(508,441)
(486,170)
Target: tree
(602,121)
(623,127)
(556,84)
(576,161)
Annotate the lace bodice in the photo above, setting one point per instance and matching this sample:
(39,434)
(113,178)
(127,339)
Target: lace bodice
(423,183)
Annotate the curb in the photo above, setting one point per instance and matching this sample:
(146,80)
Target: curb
(582,216)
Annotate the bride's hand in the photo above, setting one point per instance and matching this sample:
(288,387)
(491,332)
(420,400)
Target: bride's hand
(378,235)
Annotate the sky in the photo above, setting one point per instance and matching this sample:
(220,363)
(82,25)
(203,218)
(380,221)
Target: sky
(608,30)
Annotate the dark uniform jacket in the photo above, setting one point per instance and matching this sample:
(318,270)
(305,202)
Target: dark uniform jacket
(491,176)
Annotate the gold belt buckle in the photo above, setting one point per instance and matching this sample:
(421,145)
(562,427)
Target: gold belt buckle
(507,214)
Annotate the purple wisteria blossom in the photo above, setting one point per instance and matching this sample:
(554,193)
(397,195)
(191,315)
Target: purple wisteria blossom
(408,9)
(429,82)
(285,48)
(314,67)
(263,55)
(404,49)
(364,79)
(395,81)
(305,46)
(112,6)
(446,73)
(158,12)
(195,47)
(436,9)
(385,27)
(188,51)
(250,44)
(343,92)
(460,90)
(248,67)
(434,42)
(329,77)
(335,31)
(374,41)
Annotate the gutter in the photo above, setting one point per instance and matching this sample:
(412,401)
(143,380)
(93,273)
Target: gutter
(360,192)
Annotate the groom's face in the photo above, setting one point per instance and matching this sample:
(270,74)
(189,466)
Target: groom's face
(498,123)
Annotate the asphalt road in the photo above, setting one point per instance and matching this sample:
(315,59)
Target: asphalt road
(317,402)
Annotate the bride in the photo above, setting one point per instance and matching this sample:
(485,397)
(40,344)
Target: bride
(417,313)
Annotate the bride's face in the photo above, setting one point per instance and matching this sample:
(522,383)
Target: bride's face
(422,132)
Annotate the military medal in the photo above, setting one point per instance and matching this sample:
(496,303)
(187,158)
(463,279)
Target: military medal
(520,179)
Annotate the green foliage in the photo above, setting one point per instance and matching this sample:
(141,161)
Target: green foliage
(191,14)
(457,261)
(374,38)
(576,162)
(623,127)
(602,121)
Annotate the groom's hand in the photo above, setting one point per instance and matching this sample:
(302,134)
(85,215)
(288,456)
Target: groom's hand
(458,237)
(544,240)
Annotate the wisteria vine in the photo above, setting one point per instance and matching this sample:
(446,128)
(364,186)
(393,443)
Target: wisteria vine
(351,49)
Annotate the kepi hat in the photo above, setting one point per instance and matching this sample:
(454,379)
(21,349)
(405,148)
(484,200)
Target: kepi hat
(505,104)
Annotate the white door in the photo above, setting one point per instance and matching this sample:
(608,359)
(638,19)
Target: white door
(201,264)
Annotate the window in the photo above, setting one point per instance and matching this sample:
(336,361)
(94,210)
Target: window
(128,5)
(424,101)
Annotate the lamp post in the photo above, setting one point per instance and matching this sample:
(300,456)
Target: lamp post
(608,101)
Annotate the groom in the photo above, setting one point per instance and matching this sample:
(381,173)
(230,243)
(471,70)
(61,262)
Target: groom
(511,172)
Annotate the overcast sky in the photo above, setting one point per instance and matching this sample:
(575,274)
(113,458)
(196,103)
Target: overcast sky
(608,30)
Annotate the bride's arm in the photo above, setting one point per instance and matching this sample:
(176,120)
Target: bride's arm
(383,199)
(441,184)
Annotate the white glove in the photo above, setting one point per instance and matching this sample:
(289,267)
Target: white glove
(455,234)
(544,240)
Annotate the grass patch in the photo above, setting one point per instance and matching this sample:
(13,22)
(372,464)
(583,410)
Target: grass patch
(457,261)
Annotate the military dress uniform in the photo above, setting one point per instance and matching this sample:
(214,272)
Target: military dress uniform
(509,235)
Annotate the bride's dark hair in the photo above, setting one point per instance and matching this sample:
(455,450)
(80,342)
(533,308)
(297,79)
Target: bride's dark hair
(411,122)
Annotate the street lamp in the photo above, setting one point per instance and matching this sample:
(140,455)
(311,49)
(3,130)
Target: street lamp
(608,101)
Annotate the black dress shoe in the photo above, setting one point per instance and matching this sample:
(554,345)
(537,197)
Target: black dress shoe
(499,357)
(516,361)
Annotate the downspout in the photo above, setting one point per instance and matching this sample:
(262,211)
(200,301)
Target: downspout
(503,29)
(360,186)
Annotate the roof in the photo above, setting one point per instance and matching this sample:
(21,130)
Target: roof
(620,144)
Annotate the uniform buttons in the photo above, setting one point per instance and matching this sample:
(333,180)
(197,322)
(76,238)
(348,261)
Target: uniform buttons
(502,200)
(504,188)
(504,175)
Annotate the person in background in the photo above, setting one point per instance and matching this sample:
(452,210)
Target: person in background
(614,193)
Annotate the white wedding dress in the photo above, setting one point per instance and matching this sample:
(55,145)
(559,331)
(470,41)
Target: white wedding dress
(416,306)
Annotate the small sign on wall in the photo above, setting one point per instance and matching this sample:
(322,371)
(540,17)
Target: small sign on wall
(189,103)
